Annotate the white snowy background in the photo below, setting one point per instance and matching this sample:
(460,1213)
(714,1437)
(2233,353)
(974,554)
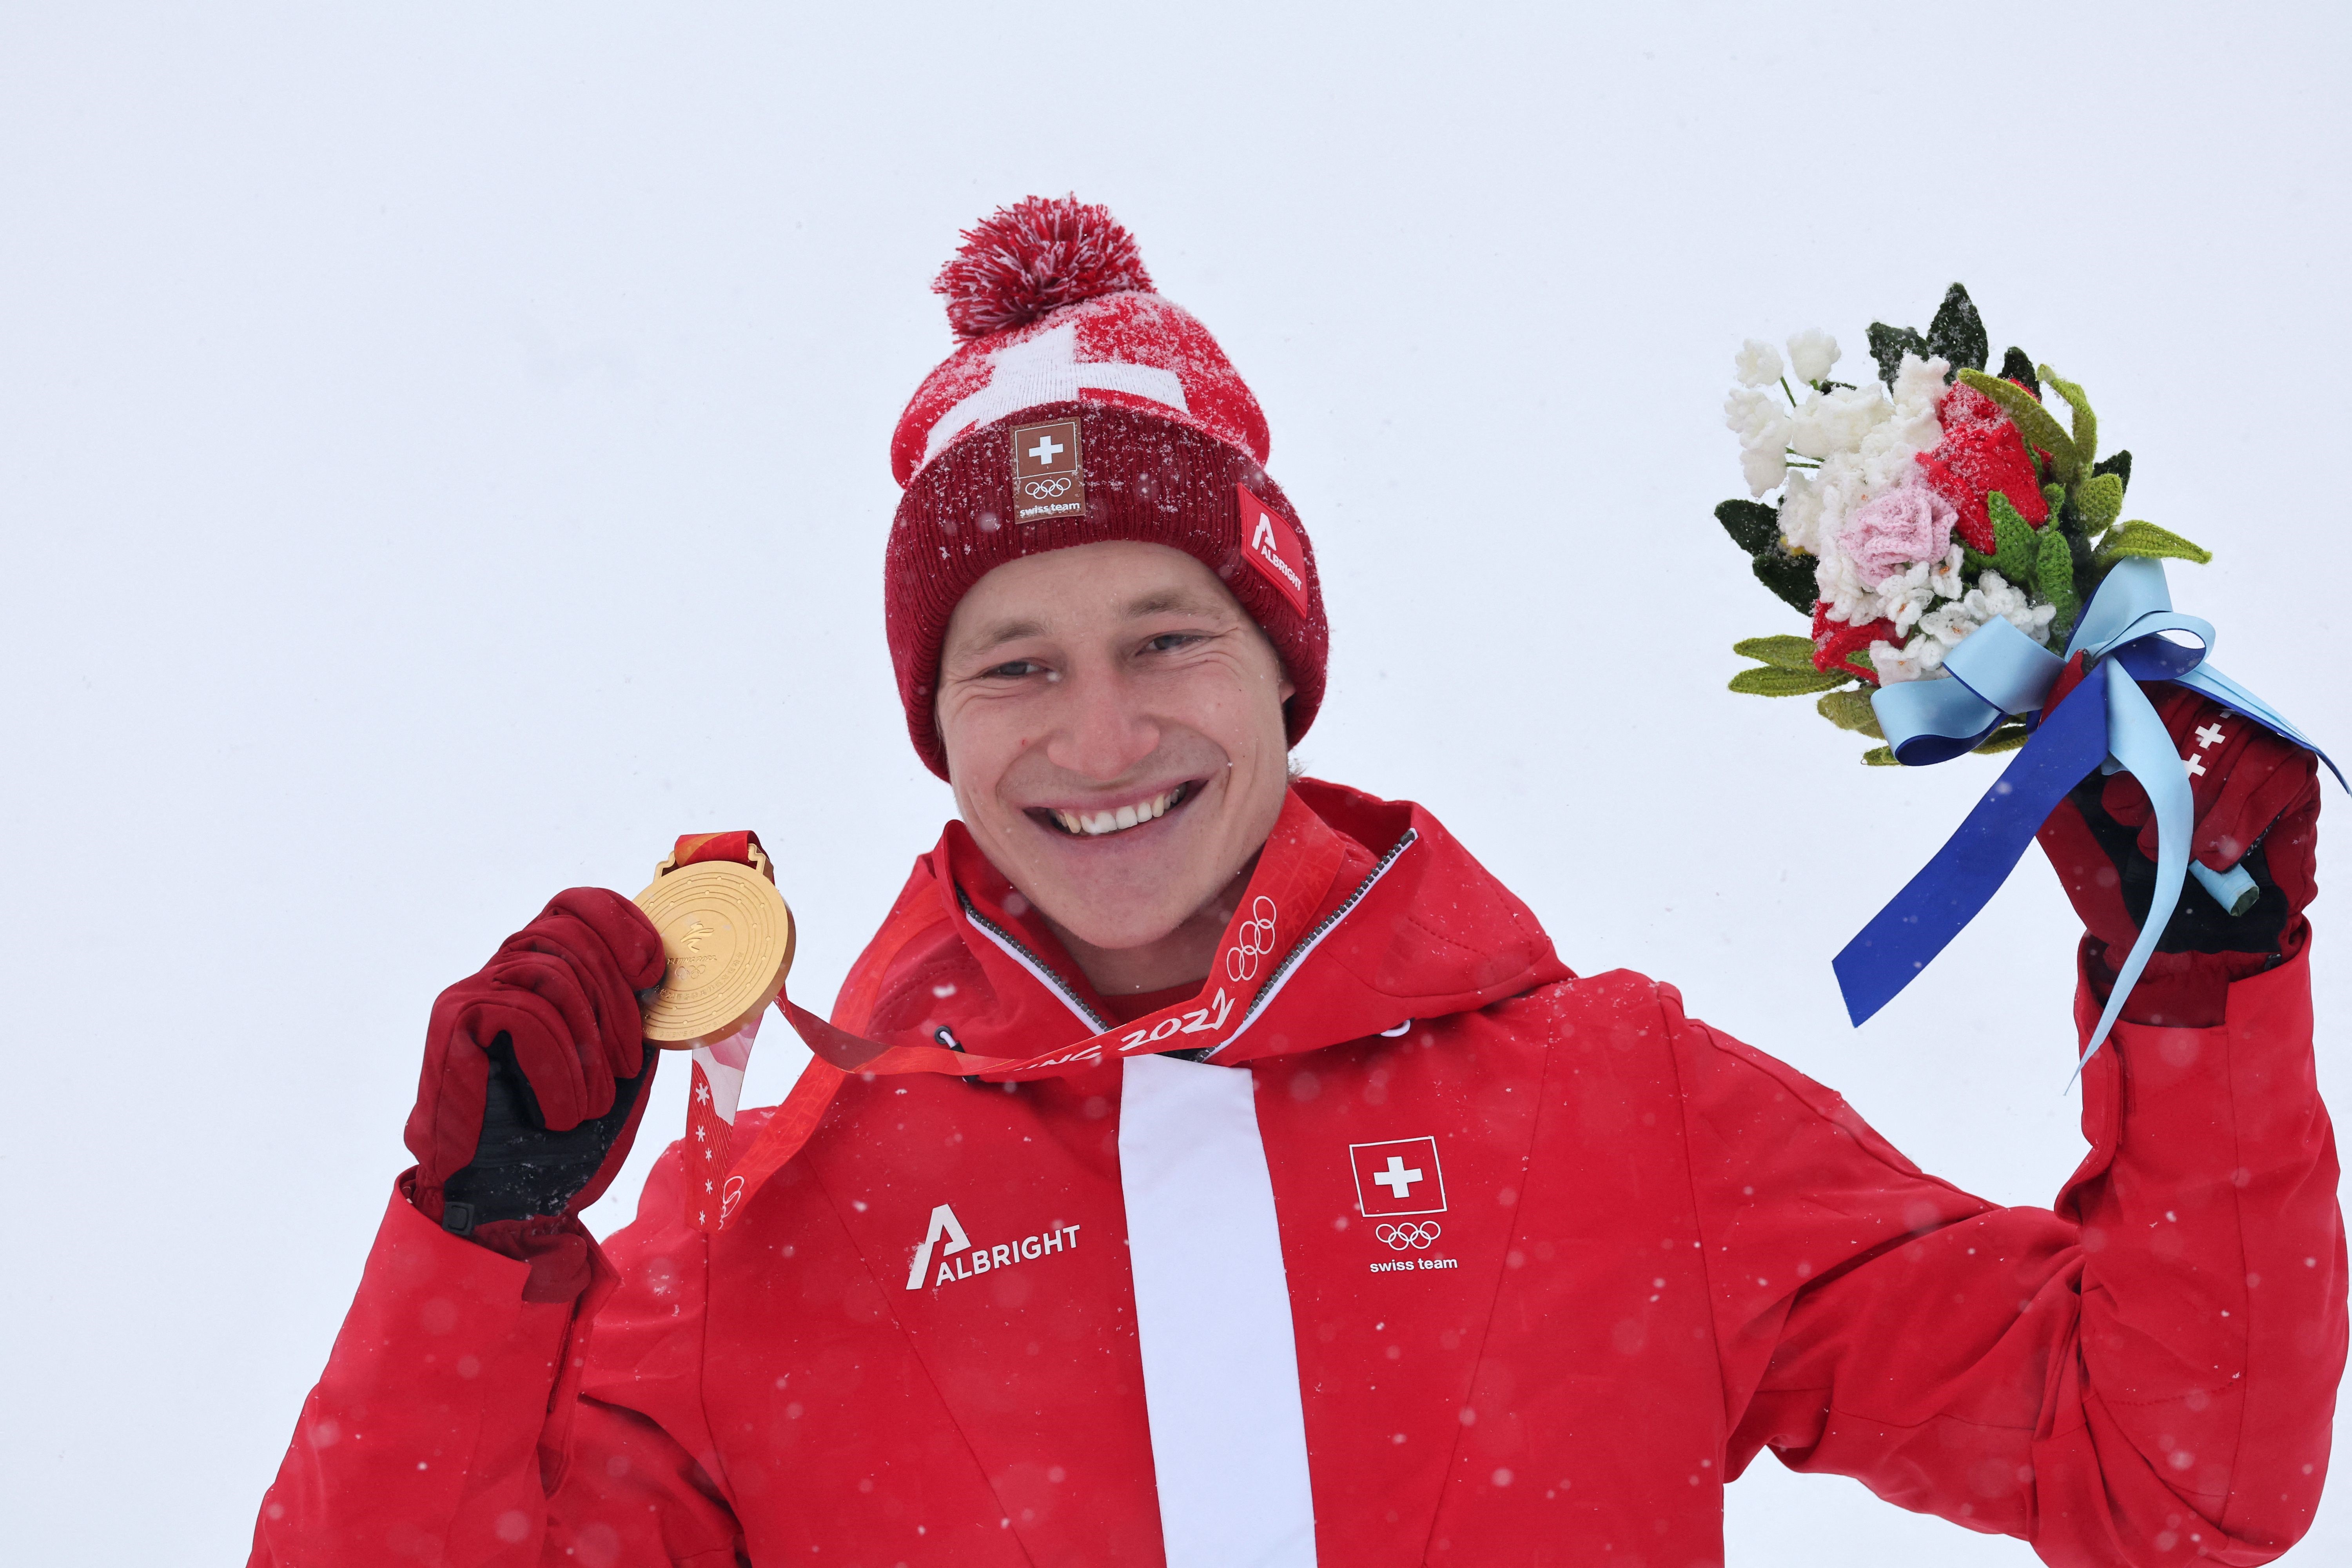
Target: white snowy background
(443,458)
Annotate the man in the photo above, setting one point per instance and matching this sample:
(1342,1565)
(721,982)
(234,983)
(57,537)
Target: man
(1286,1199)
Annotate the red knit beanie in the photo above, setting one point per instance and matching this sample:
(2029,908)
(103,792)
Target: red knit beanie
(1080,407)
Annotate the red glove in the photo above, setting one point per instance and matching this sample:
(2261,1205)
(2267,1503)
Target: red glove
(2257,802)
(535,1068)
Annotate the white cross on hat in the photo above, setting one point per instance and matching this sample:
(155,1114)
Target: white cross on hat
(1046,369)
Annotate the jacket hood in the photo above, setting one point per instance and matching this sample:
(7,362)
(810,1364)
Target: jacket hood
(1362,914)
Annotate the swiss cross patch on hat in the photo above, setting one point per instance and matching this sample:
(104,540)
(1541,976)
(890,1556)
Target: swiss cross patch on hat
(1048,471)
(1272,547)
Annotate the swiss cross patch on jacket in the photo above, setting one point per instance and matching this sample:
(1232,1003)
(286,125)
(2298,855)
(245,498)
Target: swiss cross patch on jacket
(1466,1259)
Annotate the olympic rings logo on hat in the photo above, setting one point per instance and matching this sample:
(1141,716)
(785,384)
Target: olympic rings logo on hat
(1253,941)
(1046,489)
(1400,1236)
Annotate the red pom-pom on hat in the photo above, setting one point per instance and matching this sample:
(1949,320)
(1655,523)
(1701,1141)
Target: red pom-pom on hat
(1035,256)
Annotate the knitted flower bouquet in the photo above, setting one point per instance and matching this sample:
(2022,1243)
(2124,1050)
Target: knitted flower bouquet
(1917,507)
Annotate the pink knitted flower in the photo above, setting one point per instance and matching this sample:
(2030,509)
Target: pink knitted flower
(1909,524)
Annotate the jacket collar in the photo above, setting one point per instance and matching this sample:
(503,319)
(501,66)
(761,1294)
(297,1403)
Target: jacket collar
(1360,916)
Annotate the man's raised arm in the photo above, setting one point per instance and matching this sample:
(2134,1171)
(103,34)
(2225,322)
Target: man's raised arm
(2146,1373)
(447,1425)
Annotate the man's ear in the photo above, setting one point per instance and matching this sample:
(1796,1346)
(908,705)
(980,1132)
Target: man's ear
(1283,689)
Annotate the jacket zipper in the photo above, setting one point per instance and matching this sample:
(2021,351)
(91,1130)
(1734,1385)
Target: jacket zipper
(1036,965)
(1298,954)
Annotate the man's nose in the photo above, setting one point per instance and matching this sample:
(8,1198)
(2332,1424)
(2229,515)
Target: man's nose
(1104,733)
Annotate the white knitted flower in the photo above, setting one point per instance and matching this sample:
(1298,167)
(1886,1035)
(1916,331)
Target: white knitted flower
(1828,423)
(1848,598)
(1921,659)
(1758,363)
(1763,467)
(1842,490)
(1758,418)
(2035,620)
(1945,580)
(1951,621)
(1908,427)
(1799,506)
(1920,387)
(1812,353)
(1945,626)
(1833,492)
(1815,507)
(1993,595)
(1905,596)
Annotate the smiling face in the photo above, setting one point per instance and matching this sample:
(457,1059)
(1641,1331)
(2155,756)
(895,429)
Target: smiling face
(1114,731)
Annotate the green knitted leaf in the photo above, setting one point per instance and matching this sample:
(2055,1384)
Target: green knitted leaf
(1889,344)
(1957,333)
(2147,541)
(2053,496)
(1753,526)
(2020,549)
(2032,420)
(2008,738)
(2118,464)
(1790,578)
(1765,681)
(1779,652)
(2054,575)
(2015,366)
(1880,757)
(1851,710)
(2086,424)
(2099,500)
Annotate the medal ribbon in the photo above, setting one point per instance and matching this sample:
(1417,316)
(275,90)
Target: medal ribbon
(717,1088)
(1290,886)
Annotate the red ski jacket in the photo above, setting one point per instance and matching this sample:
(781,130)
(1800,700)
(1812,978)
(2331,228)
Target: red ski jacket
(1465,1259)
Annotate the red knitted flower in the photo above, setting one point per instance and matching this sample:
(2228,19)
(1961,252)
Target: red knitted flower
(1039,253)
(1832,640)
(1981,452)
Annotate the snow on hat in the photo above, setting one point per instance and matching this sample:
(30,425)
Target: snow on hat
(1082,407)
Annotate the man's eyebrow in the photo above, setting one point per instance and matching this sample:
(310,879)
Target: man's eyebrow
(998,635)
(1165,601)
(1178,600)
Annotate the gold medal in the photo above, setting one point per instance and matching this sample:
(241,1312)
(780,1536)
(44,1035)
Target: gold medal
(728,938)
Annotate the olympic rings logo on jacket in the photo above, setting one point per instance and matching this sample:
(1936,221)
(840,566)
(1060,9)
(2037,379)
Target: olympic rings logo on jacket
(1400,1236)
(1253,941)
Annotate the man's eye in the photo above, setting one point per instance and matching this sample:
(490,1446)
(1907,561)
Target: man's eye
(1011,670)
(1168,642)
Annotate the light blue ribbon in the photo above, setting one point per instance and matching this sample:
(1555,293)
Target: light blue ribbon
(2127,633)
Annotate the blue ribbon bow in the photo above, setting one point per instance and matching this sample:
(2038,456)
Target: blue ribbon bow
(2105,722)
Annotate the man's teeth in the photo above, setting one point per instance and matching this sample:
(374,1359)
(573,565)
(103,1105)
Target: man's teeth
(1094,825)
